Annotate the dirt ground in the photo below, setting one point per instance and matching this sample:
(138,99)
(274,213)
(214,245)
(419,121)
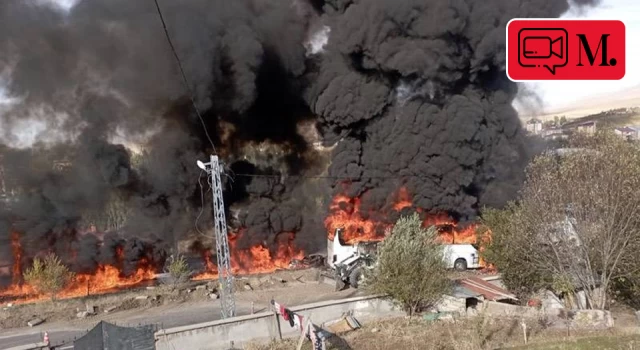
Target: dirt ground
(290,286)
(258,289)
(469,334)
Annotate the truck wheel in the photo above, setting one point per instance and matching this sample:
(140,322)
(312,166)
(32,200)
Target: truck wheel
(339,284)
(460,264)
(355,277)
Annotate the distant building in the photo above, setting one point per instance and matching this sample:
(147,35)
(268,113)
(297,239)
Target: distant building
(534,126)
(586,127)
(627,132)
(554,133)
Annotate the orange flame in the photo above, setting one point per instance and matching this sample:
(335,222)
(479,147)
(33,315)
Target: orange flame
(346,213)
(106,278)
(16,249)
(256,259)
(109,278)
(403,201)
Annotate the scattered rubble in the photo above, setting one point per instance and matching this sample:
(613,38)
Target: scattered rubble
(592,319)
(83,314)
(35,322)
(142,297)
(92,309)
(110,309)
(342,325)
(311,261)
(213,296)
(247,286)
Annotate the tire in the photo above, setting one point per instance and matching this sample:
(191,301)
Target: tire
(460,264)
(355,277)
(339,284)
(337,276)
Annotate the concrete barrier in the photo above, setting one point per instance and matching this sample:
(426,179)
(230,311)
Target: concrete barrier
(498,309)
(267,326)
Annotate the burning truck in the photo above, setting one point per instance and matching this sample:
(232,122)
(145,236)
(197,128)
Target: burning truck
(348,261)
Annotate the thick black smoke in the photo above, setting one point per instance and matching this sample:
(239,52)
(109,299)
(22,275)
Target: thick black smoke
(413,92)
(417,93)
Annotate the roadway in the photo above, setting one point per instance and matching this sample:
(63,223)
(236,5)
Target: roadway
(168,316)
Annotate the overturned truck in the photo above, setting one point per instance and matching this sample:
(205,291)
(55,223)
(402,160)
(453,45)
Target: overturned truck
(349,261)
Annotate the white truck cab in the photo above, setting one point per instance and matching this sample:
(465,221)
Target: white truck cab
(339,253)
(461,257)
(456,256)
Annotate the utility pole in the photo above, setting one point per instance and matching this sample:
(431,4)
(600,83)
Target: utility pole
(223,257)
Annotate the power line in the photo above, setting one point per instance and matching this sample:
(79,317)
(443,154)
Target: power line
(333,177)
(202,193)
(184,76)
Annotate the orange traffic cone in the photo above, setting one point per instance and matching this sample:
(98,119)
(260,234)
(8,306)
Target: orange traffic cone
(46,338)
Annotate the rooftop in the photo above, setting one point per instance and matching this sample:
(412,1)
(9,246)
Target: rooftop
(475,286)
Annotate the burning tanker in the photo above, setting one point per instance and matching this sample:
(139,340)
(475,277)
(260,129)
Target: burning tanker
(305,101)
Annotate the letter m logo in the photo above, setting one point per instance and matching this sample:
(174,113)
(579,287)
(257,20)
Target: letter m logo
(602,49)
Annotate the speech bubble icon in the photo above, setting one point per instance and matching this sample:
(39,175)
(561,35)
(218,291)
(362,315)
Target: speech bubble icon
(543,47)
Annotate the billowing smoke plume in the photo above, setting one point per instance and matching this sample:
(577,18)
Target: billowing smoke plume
(412,92)
(417,95)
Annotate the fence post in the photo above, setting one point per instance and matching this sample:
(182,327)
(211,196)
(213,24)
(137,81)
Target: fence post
(277,319)
(275,316)
(303,333)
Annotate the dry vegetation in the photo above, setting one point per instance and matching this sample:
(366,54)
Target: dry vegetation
(576,224)
(610,118)
(471,334)
(48,276)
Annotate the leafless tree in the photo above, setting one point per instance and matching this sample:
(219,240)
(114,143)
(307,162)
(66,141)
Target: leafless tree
(112,217)
(576,225)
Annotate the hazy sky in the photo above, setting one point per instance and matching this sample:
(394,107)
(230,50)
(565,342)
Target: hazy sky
(556,94)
